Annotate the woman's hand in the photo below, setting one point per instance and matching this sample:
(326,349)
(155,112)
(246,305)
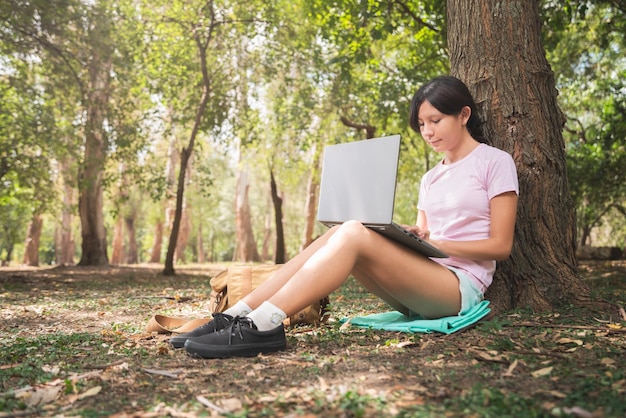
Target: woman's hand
(415,230)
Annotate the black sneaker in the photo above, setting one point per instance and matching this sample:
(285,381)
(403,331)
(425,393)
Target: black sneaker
(219,321)
(240,339)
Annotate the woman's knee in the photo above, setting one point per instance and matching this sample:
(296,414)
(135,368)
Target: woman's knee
(353,229)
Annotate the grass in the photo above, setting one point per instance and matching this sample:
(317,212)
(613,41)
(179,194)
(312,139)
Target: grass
(74,345)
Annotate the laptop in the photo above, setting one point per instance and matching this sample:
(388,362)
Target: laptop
(359,183)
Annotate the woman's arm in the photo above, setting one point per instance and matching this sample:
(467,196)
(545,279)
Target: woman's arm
(500,242)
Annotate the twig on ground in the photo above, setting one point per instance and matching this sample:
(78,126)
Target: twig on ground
(105,366)
(173,375)
(587,327)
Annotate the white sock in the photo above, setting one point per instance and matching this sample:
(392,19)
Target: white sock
(238,309)
(267,316)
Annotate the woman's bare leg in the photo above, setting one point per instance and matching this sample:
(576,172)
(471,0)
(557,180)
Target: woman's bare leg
(400,276)
(277,280)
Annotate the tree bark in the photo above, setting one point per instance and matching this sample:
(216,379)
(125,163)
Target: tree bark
(495,47)
(31,252)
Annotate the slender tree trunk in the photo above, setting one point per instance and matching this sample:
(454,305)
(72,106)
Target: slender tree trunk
(132,256)
(202,45)
(267,237)
(155,254)
(200,244)
(183,235)
(31,252)
(245,249)
(9,248)
(495,47)
(65,245)
(310,206)
(279,252)
(163,227)
(117,253)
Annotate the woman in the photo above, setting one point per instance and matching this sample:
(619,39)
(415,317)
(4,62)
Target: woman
(467,206)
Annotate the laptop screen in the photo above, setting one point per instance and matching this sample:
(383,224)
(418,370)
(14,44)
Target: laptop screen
(359,181)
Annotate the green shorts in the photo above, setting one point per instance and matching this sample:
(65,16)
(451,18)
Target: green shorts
(470,294)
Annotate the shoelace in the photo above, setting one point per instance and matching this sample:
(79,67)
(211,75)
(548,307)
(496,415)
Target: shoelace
(237,326)
(221,320)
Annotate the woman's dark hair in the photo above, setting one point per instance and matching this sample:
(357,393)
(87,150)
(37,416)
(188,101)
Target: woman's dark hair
(449,95)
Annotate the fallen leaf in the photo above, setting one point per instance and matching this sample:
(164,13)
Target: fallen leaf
(491,356)
(231,404)
(542,372)
(51,369)
(557,394)
(345,325)
(569,341)
(509,371)
(578,412)
(90,392)
(40,396)
(607,361)
(204,401)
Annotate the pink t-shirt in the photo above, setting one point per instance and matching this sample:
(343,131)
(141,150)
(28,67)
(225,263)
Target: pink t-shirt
(455,198)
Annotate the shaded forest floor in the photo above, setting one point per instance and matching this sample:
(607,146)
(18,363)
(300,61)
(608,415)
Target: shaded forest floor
(73,344)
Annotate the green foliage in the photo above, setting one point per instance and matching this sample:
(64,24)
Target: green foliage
(287,78)
(585,43)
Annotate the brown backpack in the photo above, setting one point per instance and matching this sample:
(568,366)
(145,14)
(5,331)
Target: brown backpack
(232,284)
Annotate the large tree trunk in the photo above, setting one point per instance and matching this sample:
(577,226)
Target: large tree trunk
(495,47)
(94,246)
(245,247)
(31,252)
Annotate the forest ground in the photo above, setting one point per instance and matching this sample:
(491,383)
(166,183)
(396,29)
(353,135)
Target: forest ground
(73,344)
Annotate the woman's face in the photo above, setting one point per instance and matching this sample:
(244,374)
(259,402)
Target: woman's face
(443,132)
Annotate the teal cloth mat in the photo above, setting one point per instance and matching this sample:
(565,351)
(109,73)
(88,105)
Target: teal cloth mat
(396,321)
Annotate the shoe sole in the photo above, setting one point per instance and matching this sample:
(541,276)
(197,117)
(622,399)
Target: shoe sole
(227,351)
(178,343)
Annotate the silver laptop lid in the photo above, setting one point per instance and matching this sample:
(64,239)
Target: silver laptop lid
(359,181)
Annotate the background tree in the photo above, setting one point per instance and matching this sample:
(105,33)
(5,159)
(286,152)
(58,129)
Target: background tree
(585,43)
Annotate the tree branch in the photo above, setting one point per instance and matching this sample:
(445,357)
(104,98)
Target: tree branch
(369,129)
(415,17)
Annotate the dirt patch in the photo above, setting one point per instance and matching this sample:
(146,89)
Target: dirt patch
(74,344)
